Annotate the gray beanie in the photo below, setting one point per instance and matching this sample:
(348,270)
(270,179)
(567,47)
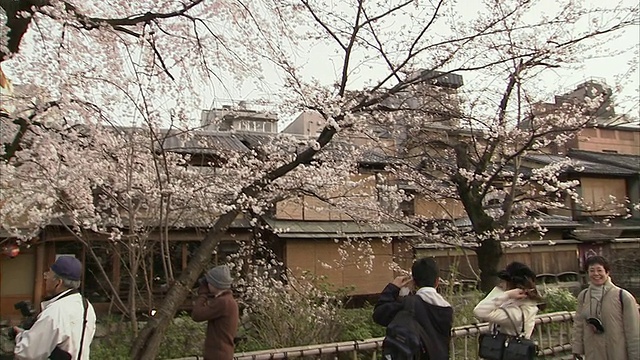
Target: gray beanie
(219,277)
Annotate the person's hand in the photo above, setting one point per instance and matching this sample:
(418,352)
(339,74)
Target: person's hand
(402,281)
(203,289)
(516,294)
(17,330)
(577,357)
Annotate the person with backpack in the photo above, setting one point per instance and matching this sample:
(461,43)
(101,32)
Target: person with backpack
(419,325)
(607,322)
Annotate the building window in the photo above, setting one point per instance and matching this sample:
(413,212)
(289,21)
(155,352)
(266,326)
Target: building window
(160,276)
(408,207)
(95,286)
(221,255)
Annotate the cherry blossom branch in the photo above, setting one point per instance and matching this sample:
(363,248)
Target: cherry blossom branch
(19,23)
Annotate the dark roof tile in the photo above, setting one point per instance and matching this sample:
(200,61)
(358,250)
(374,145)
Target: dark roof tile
(581,166)
(620,160)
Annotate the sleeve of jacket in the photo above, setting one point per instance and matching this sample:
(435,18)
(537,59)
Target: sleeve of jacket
(530,312)
(490,303)
(577,345)
(631,323)
(207,308)
(38,342)
(387,306)
(490,309)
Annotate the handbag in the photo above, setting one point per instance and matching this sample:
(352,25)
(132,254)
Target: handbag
(499,346)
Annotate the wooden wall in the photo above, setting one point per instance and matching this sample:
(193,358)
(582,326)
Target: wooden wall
(16,282)
(541,259)
(625,266)
(622,141)
(597,194)
(313,209)
(21,278)
(322,258)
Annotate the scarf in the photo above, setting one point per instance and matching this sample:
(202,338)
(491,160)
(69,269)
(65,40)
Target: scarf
(595,294)
(431,296)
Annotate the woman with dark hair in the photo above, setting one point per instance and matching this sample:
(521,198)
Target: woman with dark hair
(607,323)
(513,301)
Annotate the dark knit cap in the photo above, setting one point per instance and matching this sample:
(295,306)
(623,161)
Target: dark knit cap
(219,277)
(68,267)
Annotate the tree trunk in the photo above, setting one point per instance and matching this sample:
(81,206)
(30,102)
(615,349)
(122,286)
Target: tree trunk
(147,343)
(133,265)
(489,255)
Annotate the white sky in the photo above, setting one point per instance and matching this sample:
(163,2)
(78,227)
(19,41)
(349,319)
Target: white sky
(619,69)
(316,61)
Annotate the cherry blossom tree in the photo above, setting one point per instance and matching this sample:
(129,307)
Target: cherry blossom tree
(97,67)
(479,159)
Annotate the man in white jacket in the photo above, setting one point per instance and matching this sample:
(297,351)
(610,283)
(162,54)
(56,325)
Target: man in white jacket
(66,325)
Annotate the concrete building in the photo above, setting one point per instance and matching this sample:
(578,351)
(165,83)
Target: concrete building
(239,117)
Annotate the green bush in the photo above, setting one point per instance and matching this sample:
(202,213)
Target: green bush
(463,305)
(290,315)
(115,345)
(357,324)
(285,319)
(559,299)
(184,338)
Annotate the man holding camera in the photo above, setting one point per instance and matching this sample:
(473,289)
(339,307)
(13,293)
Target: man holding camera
(216,305)
(65,327)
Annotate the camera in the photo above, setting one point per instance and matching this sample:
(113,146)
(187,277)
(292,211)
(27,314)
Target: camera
(28,317)
(597,324)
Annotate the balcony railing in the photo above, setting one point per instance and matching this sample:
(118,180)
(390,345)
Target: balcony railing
(552,335)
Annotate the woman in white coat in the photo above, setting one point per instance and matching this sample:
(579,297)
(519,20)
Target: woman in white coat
(511,303)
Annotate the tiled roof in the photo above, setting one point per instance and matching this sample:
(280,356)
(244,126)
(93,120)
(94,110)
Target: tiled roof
(545,220)
(204,142)
(337,229)
(620,160)
(582,166)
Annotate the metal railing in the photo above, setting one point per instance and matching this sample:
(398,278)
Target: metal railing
(552,335)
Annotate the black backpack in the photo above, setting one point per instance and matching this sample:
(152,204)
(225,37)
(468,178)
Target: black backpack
(405,338)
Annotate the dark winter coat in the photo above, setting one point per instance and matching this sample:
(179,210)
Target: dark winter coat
(435,320)
(221,313)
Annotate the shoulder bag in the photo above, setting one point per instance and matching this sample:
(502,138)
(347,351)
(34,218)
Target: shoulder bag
(499,346)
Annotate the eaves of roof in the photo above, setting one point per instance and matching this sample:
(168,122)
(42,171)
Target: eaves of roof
(547,221)
(631,162)
(581,166)
(301,229)
(204,143)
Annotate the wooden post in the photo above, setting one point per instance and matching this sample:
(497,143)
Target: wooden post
(40,269)
(184,256)
(115,274)
(83,260)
